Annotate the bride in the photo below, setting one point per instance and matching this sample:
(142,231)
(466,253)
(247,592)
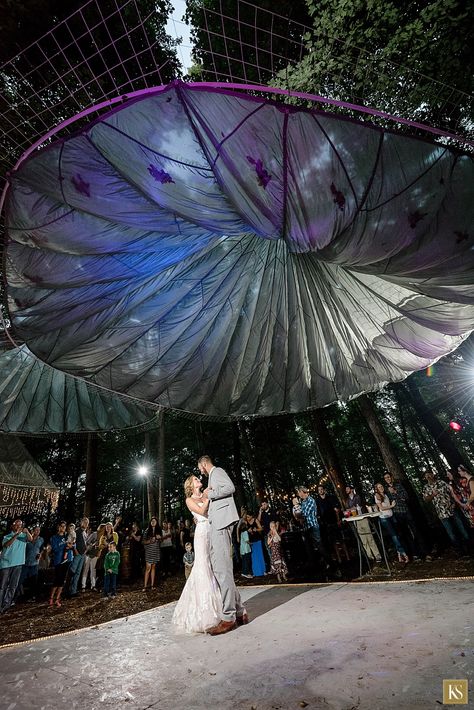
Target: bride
(200,604)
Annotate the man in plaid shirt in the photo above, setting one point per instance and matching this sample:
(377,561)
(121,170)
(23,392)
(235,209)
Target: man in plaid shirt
(310,515)
(312,536)
(404,519)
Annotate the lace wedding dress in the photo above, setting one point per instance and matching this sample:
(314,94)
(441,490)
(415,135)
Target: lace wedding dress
(200,604)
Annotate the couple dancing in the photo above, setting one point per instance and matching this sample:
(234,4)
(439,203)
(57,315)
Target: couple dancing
(210,601)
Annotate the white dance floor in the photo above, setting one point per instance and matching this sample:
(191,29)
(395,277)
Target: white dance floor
(337,647)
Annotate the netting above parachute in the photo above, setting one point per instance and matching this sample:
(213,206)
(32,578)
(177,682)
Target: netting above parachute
(215,251)
(228,256)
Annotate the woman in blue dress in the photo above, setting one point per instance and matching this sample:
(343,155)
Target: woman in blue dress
(255,531)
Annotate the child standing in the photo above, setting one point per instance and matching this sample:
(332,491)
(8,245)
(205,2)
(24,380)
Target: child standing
(245,552)
(188,559)
(71,540)
(111,568)
(276,557)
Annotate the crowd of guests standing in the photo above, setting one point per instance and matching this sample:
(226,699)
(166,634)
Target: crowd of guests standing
(75,559)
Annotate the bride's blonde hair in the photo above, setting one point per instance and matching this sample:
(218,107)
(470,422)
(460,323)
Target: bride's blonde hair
(189,486)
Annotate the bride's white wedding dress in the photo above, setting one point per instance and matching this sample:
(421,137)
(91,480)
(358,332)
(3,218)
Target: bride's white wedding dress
(200,604)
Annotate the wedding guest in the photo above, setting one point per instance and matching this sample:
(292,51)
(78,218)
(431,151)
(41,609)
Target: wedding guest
(245,551)
(77,564)
(45,574)
(255,536)
(111,570)
(136,551)
(439,493)
(278,564)
(405,522)
(62,553)
(264,517)
(120,530)
(386,514)
(354,503)
(90,559)
(188,559)
(167,548)
(185,533)
(297,511)
(467,488)
(71,535)
(12,560)
(29,572)
(151,541)
(105,535)
(329,517)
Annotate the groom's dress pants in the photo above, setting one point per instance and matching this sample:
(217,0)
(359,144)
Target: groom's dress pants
(221,561)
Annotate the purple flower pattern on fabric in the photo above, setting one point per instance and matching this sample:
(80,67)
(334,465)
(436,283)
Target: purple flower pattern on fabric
(81,185)
(339,198)
(415,217)
(263,176)
(159,174)
(461,237)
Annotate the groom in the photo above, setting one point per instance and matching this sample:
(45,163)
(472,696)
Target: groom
(222,518)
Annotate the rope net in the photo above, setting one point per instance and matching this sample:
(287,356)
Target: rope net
(112,48)
(102,50)
(108,48)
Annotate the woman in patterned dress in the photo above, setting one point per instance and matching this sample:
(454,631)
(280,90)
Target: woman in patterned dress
(467,484)
(152,542)
(278,564)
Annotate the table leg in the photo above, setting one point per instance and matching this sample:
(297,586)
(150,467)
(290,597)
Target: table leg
(380,536)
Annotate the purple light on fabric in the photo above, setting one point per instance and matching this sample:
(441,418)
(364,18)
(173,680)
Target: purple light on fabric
(81,185)
(159,175)
(339,198)
(263,176)
(225,88)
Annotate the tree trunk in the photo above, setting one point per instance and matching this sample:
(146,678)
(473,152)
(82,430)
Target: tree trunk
(389,455)
(440,433)
(237,467)
(71,512)
(150,477)
(328,454)
(406,441)
(160,467)
(90,498)
(257,476)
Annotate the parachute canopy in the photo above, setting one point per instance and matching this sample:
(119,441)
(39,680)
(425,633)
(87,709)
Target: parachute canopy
(227,255)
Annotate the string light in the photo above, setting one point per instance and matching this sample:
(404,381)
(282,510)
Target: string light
(16,499)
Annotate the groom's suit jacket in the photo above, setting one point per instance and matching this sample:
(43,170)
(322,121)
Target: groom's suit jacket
(222,510)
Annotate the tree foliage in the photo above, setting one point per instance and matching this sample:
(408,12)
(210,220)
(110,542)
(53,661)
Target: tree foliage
(412,59)
(244,43)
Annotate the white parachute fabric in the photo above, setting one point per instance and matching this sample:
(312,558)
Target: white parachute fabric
(225,255)
(37,399)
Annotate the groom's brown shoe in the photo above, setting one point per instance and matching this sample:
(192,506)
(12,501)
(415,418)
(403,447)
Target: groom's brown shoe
(222,628)
(242,620)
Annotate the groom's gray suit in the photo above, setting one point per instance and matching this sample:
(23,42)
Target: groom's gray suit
(222,518)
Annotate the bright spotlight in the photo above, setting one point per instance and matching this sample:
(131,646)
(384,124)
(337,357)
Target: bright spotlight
(142,470)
